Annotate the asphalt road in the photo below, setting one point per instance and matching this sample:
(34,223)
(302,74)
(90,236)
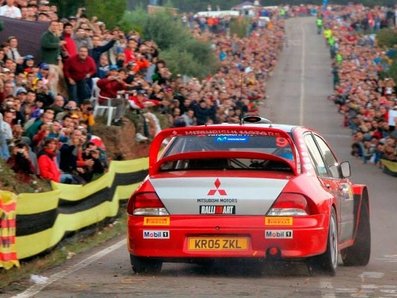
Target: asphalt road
(298,93)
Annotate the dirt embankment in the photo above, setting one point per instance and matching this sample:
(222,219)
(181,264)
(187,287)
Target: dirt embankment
(120,141)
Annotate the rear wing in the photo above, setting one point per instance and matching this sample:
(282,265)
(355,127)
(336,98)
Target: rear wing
(155,155)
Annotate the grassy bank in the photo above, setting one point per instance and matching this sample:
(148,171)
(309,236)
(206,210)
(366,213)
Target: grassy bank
(81,241)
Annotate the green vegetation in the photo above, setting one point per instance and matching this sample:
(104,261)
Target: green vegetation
(386,38)
(11,181)
(239,27)
(67,8)
(77,243)
(109,11)
(183,53)
(392,73)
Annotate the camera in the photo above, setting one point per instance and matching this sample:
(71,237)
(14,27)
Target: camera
(90,108)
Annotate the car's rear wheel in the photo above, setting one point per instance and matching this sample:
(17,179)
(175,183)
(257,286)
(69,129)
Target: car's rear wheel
(328,261)
(145,265)
(359,253)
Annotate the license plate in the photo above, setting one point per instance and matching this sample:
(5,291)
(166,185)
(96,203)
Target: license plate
(218,243)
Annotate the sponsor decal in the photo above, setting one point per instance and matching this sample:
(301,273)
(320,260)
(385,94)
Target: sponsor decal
(217,189)
(156,221)
(279,234)
(279,221)
(232,139)
(281,142)
(156,234)
(223,132)
(216,200)
(217,209)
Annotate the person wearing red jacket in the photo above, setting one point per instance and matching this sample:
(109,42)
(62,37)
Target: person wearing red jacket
(47,162)
(130,50)
(69,49)
(78,71)
(110,87)
(48,166)
(140,64)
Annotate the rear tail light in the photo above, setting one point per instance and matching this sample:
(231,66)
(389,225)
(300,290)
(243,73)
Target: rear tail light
(146,203)
(290,204)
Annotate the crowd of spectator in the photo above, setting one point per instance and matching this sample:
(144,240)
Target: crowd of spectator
(366,98)
(46,106)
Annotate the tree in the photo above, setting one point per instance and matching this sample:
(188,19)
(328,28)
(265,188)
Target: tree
(67,8)
(109,11)
(182,53)
(134,20)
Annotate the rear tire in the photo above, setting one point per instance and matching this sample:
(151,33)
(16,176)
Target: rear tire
(359,253)
(328,261)
(145,265)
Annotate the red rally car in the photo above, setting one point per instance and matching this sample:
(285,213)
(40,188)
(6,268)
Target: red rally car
(253,190)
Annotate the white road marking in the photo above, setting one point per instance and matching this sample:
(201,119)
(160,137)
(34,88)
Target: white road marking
(302,91)
(388,258)
(37,288)
(327,289)
(365,275)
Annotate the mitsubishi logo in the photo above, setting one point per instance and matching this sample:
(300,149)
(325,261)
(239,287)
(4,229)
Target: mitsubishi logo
(217,184)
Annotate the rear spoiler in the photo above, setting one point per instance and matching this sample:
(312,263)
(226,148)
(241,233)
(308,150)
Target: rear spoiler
(157,143)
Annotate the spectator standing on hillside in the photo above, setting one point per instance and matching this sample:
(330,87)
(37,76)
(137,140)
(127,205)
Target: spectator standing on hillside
(51,52)
(69,49)
(78,71)
(10,10)
(82,38)
(98,48)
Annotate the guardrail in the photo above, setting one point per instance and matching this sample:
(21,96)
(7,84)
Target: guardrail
(42,219)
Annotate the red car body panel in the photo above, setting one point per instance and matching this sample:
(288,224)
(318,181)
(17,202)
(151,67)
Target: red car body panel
(309,235)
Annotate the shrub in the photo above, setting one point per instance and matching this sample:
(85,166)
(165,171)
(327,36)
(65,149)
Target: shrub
(183,62)
(393,71)
(164,30)
(134,20)
(239,26)
(386,38)
(109,11)
(182,53)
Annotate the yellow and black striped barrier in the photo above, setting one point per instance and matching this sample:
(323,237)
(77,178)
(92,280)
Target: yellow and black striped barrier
(389,167)
(42,219)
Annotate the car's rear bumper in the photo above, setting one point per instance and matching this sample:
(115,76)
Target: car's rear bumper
(292,238)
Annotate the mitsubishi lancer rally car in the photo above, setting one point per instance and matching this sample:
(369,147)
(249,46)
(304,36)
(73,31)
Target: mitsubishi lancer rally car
(254,190)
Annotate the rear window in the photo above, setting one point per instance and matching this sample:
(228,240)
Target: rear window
(207,143)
